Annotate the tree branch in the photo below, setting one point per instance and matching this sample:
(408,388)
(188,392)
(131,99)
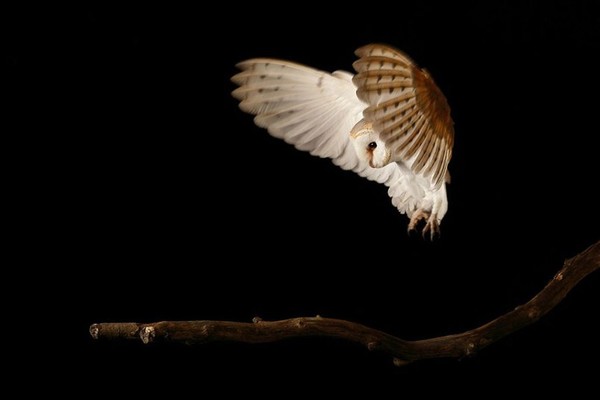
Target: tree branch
(403,351)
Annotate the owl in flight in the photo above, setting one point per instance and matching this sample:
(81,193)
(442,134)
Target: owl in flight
(389,123)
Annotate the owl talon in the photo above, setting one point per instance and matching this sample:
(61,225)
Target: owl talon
(416,218)
(432,227)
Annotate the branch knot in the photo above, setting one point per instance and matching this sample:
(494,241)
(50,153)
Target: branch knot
(471,349)
(147,334)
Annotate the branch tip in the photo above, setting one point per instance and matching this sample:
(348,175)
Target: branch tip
(94,331)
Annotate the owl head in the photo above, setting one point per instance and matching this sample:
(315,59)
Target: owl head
(369,147)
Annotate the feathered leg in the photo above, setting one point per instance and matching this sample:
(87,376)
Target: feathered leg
(432,210)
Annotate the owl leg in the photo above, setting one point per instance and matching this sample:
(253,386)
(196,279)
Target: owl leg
(432,226)
(439,207)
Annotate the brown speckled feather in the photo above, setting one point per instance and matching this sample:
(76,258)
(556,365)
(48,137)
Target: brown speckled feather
(407,109)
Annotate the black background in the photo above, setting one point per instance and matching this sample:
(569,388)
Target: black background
(173,205)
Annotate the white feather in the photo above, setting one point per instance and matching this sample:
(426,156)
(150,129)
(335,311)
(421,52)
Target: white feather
(315,111)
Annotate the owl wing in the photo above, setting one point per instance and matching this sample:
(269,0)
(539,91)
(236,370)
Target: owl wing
(314,111)
(408,110)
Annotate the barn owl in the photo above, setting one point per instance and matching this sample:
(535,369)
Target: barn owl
(389,123)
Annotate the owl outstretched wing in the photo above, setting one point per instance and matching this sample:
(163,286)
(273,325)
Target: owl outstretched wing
(408,110)
(314,111)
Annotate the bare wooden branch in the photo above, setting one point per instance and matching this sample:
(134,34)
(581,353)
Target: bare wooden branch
(403,351)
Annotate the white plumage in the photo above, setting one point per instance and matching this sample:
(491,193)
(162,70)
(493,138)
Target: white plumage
(389,123)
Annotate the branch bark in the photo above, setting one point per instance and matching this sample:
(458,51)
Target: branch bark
(403,351)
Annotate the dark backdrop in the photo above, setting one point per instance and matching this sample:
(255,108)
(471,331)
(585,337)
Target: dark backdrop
(177,207)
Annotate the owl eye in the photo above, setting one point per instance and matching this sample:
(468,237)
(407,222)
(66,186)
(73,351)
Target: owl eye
(372,145)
